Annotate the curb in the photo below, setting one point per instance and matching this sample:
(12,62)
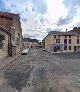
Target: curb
(10,61)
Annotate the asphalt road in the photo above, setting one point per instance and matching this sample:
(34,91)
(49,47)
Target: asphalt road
(40,71)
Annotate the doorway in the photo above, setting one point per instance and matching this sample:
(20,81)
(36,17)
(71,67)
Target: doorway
(55,49)
(74,48)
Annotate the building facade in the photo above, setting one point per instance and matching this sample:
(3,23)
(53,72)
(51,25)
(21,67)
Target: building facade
(4,43)
(27,43)
(59,42)
(31,43)
(11,23)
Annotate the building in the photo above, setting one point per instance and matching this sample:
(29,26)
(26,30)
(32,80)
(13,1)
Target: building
(31,43)
(27,42)
(59,42)
(75,29)
(4,42)
(40,45)
(43,43)
(35,44)
(11,23)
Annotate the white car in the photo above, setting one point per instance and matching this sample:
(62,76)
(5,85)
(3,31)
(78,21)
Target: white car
(43,49)
(25,51)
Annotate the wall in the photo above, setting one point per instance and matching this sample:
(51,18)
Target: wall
(4,50)
(13,22)
(7,22)
(26,44)
(18,30)
(35,45)
(47,43)
(50,43)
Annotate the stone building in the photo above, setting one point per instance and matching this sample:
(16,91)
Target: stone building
(11,23)
(4,42)
(59,42)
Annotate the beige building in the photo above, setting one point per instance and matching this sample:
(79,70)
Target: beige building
(11,23)
(59,42)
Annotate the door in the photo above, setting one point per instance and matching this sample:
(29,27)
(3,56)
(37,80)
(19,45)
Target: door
(74,48)
(55,49)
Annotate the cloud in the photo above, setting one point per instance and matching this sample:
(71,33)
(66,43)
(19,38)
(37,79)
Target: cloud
(50,14)
(77,24)
(40,6)
(28,16)
(42,19)
(64,21)
(56,29)
(31,33)
(70,3)
(72,6)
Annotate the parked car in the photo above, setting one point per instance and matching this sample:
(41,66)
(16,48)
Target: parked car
(25,51)
(43,49)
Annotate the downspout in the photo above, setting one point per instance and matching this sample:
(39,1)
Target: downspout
(9,45)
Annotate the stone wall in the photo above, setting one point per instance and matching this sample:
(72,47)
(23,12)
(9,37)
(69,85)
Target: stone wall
(4,48)
(6,21)
(18,33)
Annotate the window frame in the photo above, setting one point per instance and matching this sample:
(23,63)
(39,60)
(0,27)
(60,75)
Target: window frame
(65,36)
(69,36)
(69,47)
(69,41)
(54,36)
(65,47)
(64,41)
(57,40)
(77,41)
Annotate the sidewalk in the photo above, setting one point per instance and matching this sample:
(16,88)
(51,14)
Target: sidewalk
(8,60)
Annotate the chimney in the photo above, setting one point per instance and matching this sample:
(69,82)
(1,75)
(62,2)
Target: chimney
(66,30)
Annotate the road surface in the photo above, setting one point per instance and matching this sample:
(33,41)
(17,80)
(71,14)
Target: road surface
(40,71)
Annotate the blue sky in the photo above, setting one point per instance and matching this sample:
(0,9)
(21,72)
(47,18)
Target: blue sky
(38,17)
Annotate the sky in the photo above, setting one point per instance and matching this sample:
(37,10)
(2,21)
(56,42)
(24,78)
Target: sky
(39,17)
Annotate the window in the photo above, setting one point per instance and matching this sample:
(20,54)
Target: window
(65,41)
(74,48)
(77,36)
(65,47)
(58,36)
(69,36)
(65,36)
(54,36)
(57,40)
(77,41)
(58,48)
(69,47)
(69,41)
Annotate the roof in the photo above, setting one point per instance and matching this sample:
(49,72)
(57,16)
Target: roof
(30,40)
(26,39)
(34,40)
(9,15)
(75,29)
(62,33)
